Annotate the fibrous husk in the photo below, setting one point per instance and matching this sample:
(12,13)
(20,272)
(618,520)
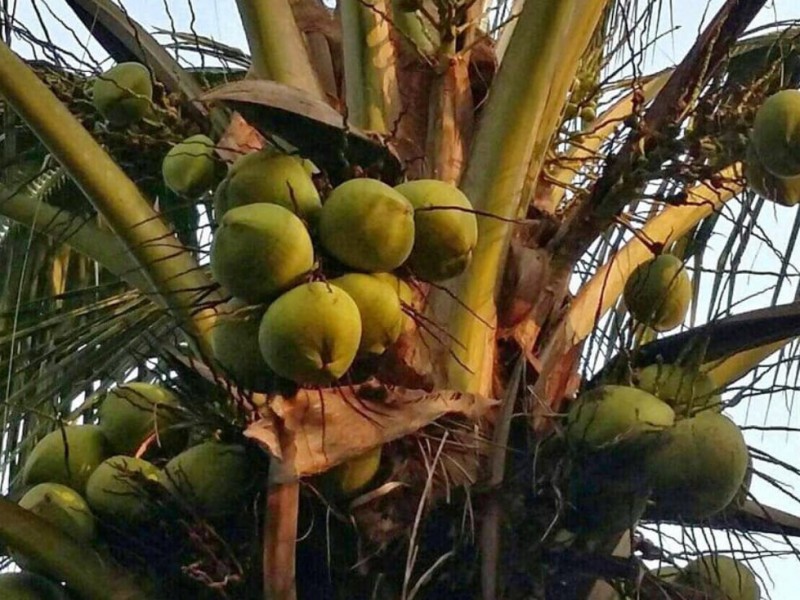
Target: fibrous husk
(63,507)
(658,293)
(124,93)
(234,343)
(68,456)
(269,177)
(445,229)
(116,490)
(699,469)
(721,578)
(379,307)
(311,334)
(188,168)
(29,586)
(776,133)
(133,412)
(260,250)
(784,191)
(367,225)
(684,389)
(616,416)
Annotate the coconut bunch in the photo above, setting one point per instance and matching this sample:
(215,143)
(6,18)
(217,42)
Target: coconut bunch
(316,286)
(713,576)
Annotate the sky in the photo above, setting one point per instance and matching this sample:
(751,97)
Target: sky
(219,20)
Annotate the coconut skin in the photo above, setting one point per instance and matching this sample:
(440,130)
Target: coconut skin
(234,343)
(311,334)
(63,507)
(367,225)
(188,168)
(124,93)
(29,586)
(380,309)
(658,293)
(259,251)
(355,474)
(49,461)
(686,392)
(783,191)
(404,292)
(721,577)
(700,467)
(443,239)
(614,415)
(113,490)
(268,177)
(776,134)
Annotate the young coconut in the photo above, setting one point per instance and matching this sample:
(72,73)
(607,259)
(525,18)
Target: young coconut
(446,230)
(124,93)
(699,469)
(784,191)
(212,478)
(131,413)
(658,293)
(380,309)
(234,343)
(259,251)
(613,415)
(29,586)
(367,225)
(776,134)
(404,292)
(188,168)
(721,577)
(685,391)
(311,334)
(355,474)
(63,507)
(269,177)
(67,455)
(116,490)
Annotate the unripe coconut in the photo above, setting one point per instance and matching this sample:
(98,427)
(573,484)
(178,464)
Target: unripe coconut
(700,467)
(212,478)
(685,391)
(721,578)
(379,306)
(446,230)
(355,474)
(776,133)
(367,225)
(605,505)
(67,455)
(610,415)
(667,573)
(784,191)
(268,177)
(658,292)
(63,507)
(311,334)
(260,250)
(29,586)
(132,412)
(116,490)
(124,93)
(188,168)
(234,343)
(404,292)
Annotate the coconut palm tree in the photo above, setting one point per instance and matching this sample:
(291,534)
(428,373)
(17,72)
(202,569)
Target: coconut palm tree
(579,169)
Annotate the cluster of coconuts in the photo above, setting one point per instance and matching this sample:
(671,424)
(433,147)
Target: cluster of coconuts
(664,448)
(772,165)
(80,473)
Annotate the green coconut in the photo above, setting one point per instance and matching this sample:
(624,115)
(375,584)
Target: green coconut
(213,478)
(269,177)
(124,93)
(721,578)
(260,250)
(367,225)
(667,573)
(784,191)
(355,474)
(29,586)
(116,488)
(776,133)
(699,469)
(311,334)
(131,413)
(188,168)
(63,507)
(658,292)
(404,292)
(67,455)
(613,415)
(234,343)
(380,309)
(685,391)
(446,230)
